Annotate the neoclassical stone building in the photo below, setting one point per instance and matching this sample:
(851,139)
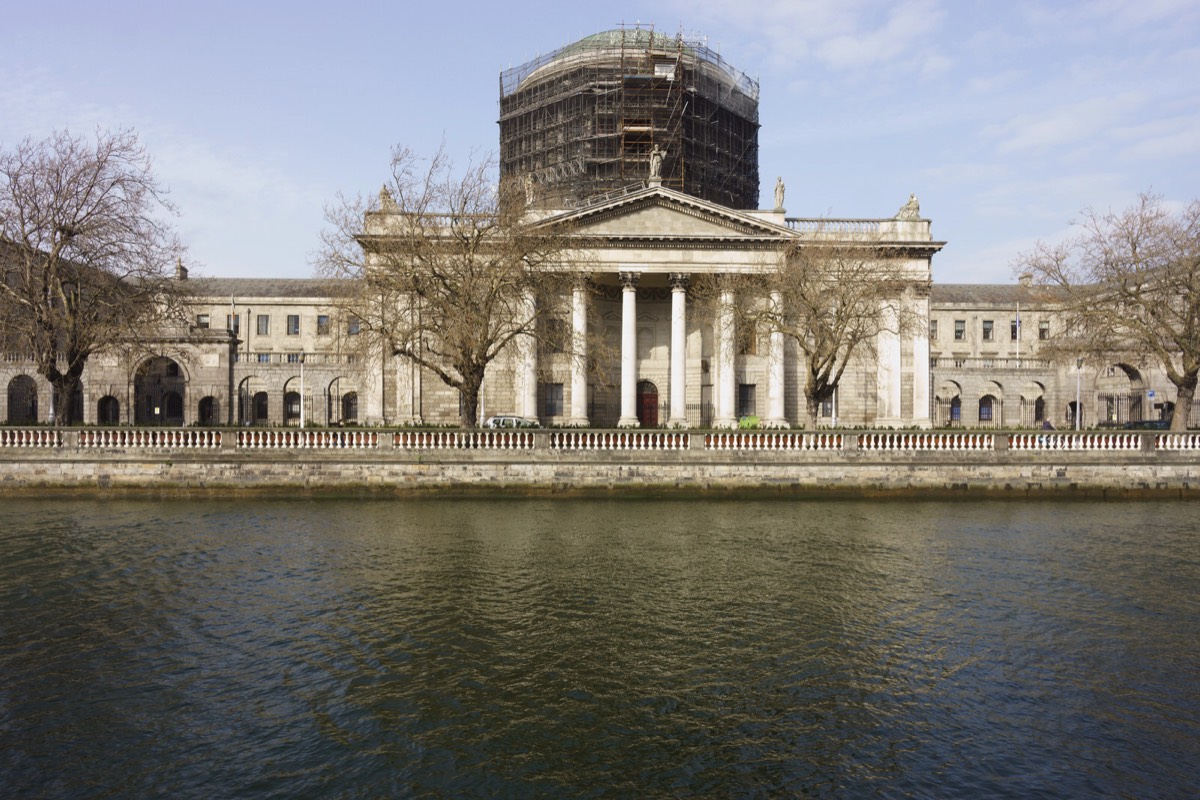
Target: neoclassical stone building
(588,123)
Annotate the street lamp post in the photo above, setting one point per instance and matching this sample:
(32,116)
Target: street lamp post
(1078,407)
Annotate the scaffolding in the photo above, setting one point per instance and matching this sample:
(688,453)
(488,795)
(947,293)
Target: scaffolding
(583,119)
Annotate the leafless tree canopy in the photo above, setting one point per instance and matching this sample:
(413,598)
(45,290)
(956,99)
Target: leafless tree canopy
(87,254)
(1128,284)
(450,269)
(831,296)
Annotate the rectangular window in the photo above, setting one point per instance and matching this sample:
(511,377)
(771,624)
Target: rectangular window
(264,324)
(827,407)
(987,330)
(933,330)
(233,322)
(353,326)
(322,325)
(293,324)
(202,320)
(746,405)
(747,340)
(553,404)
(960,329)
(1015,329)
(1044,330)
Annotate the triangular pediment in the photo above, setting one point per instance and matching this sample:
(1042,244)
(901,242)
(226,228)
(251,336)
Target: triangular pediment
(665,214)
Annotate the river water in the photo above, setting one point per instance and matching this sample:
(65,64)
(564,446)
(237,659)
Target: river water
(536,648)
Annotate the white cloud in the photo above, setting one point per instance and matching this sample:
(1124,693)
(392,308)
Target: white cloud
(1082,121)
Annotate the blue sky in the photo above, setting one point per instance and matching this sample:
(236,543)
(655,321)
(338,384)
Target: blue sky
(1005,118)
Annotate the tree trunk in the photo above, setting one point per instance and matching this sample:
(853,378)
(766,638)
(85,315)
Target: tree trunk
(1184,394)
(469,396)
(64,390)
(812,406)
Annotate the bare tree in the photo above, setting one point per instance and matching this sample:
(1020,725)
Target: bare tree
(449,269)
(1128,283)
(833,296)
(88,256)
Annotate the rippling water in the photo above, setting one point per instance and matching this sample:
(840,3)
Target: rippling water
(258,649)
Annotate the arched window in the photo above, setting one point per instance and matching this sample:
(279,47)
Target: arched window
(22,400)
(350,407)
(987,407)
(108,411)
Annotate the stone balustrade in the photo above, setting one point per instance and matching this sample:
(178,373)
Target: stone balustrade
(926,441)
(1177,441)
(309,440)
(156,437)
(773,441)
(595,441)
(1074,441)
(463,440)
(605,440)
(31,437)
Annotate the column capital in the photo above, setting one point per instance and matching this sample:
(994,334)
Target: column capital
(679,280)
(629,280)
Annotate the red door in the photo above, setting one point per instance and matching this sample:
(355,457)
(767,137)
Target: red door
(647,404)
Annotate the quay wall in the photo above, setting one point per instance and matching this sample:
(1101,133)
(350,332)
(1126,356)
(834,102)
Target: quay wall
(372,461)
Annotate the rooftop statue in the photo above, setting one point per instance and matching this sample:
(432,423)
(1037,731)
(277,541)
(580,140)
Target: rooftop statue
(911,209)
(656,161)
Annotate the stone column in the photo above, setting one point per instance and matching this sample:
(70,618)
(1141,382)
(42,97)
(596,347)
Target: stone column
(579,355)
(629,281)
(888,370)
(726,412)
(921,365)
(679,282)
(527,366)
(775,371)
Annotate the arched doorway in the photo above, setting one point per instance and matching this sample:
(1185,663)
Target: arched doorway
(108,411)
(22,401)
(949,404)
(158,387)
(647,404)
(291,408)
(207,411)
(1033,404)
(1119,393)
(350,407)
(1074,417)
(261,409)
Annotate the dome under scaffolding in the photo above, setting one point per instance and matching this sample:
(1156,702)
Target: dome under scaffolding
(584,119)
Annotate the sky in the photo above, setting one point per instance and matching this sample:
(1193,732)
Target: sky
(1007,119)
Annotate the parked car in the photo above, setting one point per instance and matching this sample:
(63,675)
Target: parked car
(1149,425)
(511,421)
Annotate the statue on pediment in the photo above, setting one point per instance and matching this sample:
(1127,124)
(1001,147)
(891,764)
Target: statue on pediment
(779,188)
(656,162)
(911,209)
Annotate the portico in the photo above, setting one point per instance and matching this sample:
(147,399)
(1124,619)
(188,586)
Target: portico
(645,250)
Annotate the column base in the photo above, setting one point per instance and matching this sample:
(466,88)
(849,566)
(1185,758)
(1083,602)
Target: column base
(629,422)
(891,422)
(678,423)
(725,422)
(777,424)
(578,422)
